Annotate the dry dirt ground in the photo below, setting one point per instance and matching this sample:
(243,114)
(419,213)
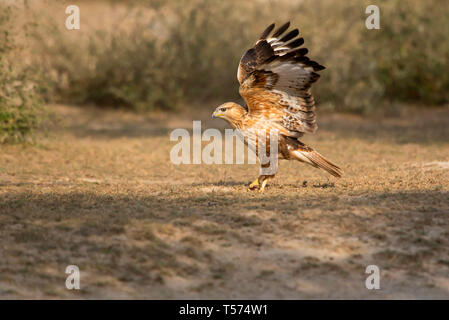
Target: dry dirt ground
(99,191)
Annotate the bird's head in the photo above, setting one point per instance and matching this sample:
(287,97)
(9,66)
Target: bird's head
(229,111)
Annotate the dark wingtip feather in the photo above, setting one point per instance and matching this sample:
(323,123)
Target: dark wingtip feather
(296,43)
(302,59)
(287,56)
(281,29)
(316,66)
(267,31)
(290,35)
(301,52)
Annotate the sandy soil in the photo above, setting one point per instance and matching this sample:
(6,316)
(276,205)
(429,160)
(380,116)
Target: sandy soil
(100,192)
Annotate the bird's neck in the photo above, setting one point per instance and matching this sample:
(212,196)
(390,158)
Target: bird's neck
(237,117)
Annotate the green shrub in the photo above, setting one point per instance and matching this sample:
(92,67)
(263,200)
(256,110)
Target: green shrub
(413,52)
(20,107)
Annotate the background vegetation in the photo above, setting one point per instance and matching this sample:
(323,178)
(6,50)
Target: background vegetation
(146,55)
(20,103)
(179,51)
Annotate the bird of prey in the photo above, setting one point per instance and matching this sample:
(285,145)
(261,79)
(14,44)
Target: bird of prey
(275,78)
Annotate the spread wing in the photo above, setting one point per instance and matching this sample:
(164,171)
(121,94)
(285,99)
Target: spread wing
(275,78)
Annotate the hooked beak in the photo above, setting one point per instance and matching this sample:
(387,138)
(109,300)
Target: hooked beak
(216,114)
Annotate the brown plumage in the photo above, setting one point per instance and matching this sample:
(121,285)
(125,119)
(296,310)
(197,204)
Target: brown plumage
(275,78)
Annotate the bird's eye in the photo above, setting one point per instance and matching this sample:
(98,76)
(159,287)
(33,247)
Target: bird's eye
(223,109)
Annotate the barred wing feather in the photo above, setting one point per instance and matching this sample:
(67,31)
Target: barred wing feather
(275,78)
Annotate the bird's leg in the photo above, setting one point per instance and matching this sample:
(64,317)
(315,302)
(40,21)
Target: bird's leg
(264,183)
(261,182)
(263,179)
(254,185)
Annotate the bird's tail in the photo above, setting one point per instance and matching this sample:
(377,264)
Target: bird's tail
(310,156)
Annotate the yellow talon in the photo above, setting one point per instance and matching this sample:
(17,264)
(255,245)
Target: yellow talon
(254,185)
(264,183)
